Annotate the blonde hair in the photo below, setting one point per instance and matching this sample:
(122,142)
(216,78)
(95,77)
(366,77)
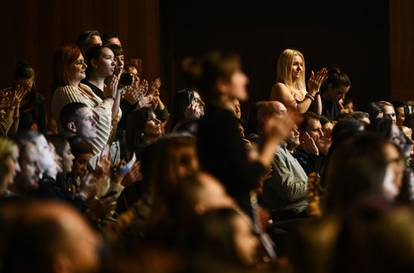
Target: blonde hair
(284,70)
(6,149)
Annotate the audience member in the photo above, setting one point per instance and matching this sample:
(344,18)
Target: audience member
(285,192)
(290,87)
(334,90)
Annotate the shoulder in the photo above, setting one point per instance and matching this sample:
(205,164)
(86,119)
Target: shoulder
(216,114)
(217,119)
(65,89)
(280,89)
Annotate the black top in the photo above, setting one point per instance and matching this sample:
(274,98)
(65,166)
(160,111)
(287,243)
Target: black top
(95,89)
(330,109)
(32,113)
(310,163)
(222,153)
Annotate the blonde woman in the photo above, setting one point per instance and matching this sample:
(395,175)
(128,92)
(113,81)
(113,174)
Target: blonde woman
(9,166)
(290,87)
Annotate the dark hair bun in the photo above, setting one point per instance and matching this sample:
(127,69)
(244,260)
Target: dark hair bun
(23,71)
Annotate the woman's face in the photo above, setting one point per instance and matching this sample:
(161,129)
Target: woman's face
(246,243)
(104,66)
(153,126)
(132,70)
(297,68)
(236,88)
(67,158)
(186,161)
(120,61)
(341,91)
(12,165)
(80,165)
(327,129)
(27,84)
(78,69)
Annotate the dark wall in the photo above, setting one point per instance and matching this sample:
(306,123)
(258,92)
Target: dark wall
(34,29)
(401,48)
(350,34)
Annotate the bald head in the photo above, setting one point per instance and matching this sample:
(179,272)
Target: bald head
(269,109)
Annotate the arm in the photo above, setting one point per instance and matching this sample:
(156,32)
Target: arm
(281,92)
(318,104)
(6,122)
(314,85)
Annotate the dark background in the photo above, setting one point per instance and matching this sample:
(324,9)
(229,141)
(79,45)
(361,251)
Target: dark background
(352,35)
(370,40)
(33,29)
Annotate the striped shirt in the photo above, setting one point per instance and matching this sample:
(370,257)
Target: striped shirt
(102,109)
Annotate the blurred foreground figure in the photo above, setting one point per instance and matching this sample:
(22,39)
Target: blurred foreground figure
(49,237)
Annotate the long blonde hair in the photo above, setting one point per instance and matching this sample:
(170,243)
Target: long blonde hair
(284,70)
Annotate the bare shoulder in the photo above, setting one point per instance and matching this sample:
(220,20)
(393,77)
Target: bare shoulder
(279,90)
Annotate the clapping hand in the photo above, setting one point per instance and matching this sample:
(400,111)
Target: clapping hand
(111,89)
(278,127)
(308,144)
(194,110)
(316,80)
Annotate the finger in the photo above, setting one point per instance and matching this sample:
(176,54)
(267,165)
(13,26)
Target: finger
(312,75)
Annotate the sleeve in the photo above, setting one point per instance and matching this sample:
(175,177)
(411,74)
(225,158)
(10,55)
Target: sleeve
(163,114)
(285,184)
(41,115)
(7,122)
(102,110)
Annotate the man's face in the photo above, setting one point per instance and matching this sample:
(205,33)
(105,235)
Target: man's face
(85,123)
(30,167)
(314,129)
(390,112)
(46,154)
(293,138)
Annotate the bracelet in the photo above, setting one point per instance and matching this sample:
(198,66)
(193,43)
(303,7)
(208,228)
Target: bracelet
(309,96)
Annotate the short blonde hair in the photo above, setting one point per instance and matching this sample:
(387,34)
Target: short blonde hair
(6,149)
(284,69)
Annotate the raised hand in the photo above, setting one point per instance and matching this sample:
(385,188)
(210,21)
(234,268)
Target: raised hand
(308,144)
(278,127)
(111,89)
(194,110)
(103,164)
(134,175)
(19,93)
(316,80)
(155,87)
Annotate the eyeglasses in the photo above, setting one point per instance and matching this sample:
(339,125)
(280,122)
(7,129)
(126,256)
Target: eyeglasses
(398,160)
(80,62)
